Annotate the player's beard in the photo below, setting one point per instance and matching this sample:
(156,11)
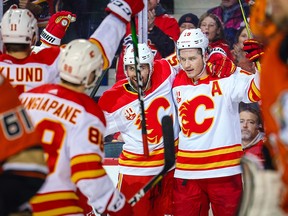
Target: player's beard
(134,83)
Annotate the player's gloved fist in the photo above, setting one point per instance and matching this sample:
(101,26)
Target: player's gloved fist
(56,28)
(125,9)
(254,49)
(220,65)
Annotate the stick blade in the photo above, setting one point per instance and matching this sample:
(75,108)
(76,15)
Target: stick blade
(168,136)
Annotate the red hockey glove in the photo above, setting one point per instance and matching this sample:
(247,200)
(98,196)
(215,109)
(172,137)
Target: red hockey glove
(56,28)
(254,49)
(125,9)
(220,65)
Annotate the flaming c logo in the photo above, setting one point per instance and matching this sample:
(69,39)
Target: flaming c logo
(187,112)
(153,123)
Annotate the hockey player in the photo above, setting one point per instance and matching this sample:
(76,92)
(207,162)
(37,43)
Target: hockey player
(75,153)
(163,32)
(208,160)
(26,70)
(121,109)
(23,168)
(19,32)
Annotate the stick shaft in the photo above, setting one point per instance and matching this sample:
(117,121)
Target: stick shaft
(169,159)
(139,87)
(98,83)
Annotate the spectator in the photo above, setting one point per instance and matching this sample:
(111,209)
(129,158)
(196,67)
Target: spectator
(239,55)
(229,12)
(208,160)
(212,27)
(122,113)
(163,31)
(23,168)
(252,132)
(188,21)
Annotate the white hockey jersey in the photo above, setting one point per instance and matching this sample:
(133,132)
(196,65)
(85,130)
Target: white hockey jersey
(121,108)
(210,136)
(41,66)
(73,136)
(36,69)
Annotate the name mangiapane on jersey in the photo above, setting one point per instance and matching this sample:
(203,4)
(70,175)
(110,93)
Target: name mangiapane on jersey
(23,74)
(61,110)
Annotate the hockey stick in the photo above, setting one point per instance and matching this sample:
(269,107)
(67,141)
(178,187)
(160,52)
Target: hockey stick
(169,159)
(139,87)
(98,83)
(143,23)
(248,31)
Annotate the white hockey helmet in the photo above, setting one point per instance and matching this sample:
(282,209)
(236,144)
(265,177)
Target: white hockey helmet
(19,26)
(192,38)
(145,56)
(80,61)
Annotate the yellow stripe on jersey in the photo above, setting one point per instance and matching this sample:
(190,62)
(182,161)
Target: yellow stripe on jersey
(53,196)
(208,165)
(88,174)
(254,93)
(209,153)
(85,158)
(60,211)
(135,156)
(141,163)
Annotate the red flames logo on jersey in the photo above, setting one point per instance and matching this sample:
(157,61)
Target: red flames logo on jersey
(130,114)
(153,123)
(187,112)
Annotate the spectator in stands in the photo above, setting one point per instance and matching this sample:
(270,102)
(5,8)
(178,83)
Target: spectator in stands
(229,12)
(212,27)
(252,133)
(163,31)
(188,21)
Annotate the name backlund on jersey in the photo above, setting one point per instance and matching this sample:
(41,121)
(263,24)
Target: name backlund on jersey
(23,74)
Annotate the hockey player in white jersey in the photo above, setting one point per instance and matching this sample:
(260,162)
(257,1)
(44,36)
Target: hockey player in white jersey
(208,161)
(72,127)
(19,32)
(121,108)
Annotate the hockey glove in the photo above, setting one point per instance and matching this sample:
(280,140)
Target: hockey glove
(220,65)
(56,28)
(254,49)
(125,9)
